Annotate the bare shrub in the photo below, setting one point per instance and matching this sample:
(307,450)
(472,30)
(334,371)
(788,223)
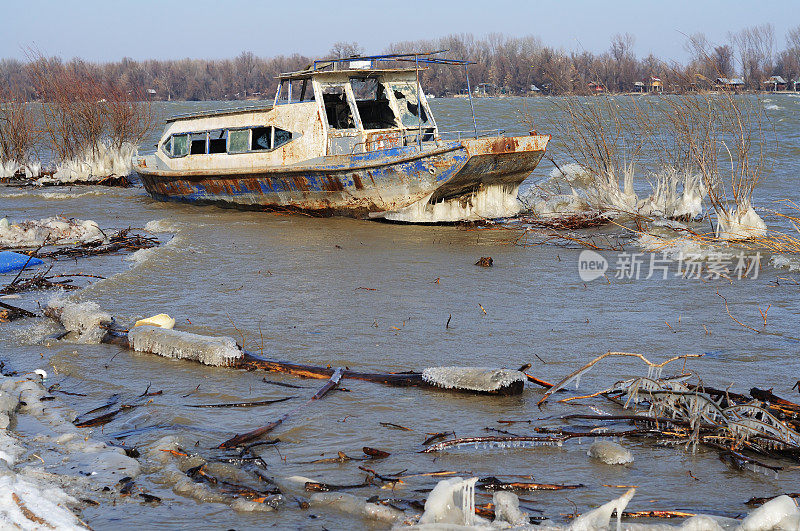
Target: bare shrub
(18,135)
(82,112)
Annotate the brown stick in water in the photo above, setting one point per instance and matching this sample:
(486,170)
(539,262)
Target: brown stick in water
(240,439)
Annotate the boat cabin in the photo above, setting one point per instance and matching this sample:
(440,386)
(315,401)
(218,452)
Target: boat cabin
(315,113)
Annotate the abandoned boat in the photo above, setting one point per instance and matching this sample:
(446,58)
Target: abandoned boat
(345,137)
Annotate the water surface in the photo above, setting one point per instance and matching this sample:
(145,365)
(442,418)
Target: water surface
(377,297)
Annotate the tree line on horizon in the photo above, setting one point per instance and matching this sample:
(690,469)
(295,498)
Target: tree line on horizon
(509,65)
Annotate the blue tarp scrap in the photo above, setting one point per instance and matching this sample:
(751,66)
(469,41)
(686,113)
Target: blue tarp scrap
(11,261)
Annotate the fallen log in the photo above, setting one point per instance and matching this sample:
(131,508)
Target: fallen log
(428,380)
(457,379)
(766,395)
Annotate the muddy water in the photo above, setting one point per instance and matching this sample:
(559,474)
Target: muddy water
(374,296)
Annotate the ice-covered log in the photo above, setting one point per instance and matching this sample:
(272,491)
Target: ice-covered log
(208,350)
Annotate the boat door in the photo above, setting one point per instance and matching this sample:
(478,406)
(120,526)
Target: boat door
(343,122)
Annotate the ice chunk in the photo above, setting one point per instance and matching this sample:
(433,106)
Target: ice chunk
(83,318)
(347,503)
(9,168)
(506,510)
(95,164)
(610,453)
(33,170)
(23,504)
(473,379)
(270,503)
(490,202)
(740,223)
(789,262)
(701,522)
(600,518)
(771,515)
(667,201)
(54,231)
(452,501)
(209,350)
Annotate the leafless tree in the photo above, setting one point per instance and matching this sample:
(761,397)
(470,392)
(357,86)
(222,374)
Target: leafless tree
(343,50)
(756,47)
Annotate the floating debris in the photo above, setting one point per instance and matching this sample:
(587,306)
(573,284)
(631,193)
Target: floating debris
(610,453)
(485,261)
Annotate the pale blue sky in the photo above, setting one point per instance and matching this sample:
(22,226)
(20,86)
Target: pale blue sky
(109,30)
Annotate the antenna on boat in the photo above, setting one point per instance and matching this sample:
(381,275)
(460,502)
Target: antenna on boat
(471,106)
(419,106)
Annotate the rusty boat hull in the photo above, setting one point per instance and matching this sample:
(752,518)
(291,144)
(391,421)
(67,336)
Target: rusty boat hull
(369,184)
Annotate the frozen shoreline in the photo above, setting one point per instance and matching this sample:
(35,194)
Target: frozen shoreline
(47,465)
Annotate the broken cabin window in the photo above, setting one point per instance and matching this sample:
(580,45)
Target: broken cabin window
(337,109)
(406,95)
(373,103)
(217,141)
(166,147)
(262,139)
(180,145)
(295,91)
(281,137)
(198,145)
(307,91)
(238,140)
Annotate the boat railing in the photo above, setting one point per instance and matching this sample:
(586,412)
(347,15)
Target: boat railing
(470,133)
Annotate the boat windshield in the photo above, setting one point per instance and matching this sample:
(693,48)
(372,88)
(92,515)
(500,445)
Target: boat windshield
(406,94)
(372,103)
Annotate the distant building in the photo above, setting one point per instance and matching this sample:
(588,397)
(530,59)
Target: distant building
(638,86)
(596,88)
(734,84)
(775,83)
(485,89)
(654,84)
